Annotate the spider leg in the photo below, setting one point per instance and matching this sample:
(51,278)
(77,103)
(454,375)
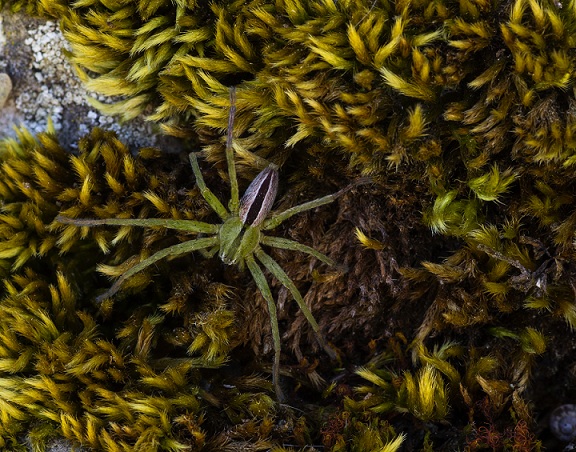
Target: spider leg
(210,253)
(264,289)
(234,195)
(278,218)
(175,250)
(287,244)
(180,225)
(281,276)
(206,193)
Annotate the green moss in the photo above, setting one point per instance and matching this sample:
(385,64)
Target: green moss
(134,375)
(462,112)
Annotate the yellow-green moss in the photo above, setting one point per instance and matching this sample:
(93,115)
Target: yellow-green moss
(464,114)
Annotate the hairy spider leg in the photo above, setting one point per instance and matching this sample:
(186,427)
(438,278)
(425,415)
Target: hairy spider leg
(287,244)
(206,193)
(175,250)
(276,219)
(264,289)
(273,267)
(172,251)
(234,203)
(180,225)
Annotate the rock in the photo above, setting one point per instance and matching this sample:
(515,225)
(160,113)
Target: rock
(5,88)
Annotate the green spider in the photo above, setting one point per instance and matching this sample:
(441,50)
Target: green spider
(237,239)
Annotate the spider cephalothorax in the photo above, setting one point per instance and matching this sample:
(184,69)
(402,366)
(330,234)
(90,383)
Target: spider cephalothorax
(237,240)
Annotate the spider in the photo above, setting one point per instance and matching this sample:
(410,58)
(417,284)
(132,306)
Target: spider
(238,239)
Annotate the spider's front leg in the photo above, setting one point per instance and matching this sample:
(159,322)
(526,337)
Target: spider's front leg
(172,251)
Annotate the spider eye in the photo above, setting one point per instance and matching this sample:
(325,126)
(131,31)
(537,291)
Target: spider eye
(259,197)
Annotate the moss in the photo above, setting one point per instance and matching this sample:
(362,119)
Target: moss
(110,377)
(461,279)
(138,372)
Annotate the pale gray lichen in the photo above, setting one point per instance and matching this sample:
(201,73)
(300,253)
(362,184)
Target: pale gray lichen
(46,87)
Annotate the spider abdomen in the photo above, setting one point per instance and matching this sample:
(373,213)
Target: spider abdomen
(259,197)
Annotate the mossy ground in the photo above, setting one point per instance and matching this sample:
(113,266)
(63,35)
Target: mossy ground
(454,320)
